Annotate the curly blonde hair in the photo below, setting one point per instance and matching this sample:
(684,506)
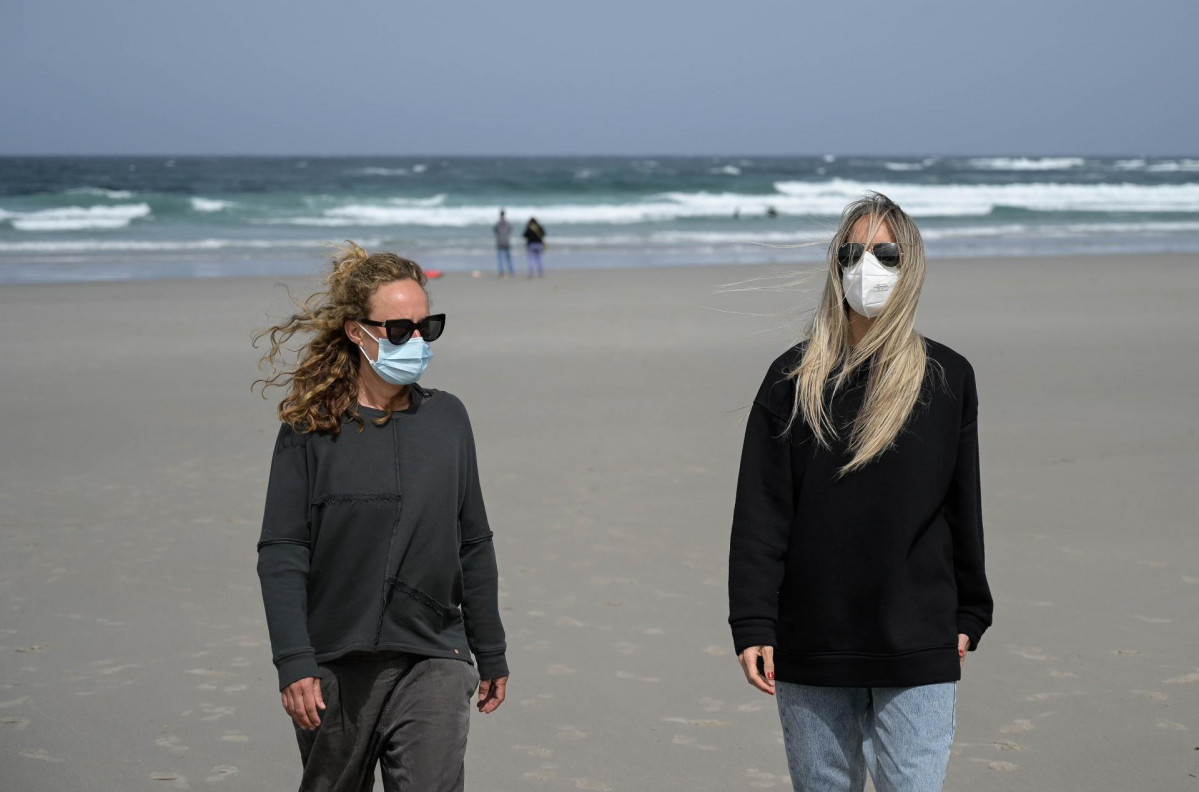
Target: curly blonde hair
(323,385)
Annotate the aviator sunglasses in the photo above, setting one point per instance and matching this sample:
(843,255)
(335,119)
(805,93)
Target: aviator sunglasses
(400,330)
(850,253)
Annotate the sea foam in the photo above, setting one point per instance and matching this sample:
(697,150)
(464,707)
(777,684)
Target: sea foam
(77,218)
(1026,164)
(209,204)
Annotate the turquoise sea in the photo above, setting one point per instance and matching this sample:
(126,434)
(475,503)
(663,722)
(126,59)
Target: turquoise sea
(108,218)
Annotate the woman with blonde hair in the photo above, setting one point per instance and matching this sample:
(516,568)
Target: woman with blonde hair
(376,561)
(856,578)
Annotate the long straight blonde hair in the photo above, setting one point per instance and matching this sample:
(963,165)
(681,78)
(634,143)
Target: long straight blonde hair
(894,352)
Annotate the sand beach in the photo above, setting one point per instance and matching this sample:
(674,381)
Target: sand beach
(608,408)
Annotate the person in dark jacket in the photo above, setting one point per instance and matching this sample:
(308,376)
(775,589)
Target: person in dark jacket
(856,576)
(376,560)
(534,246)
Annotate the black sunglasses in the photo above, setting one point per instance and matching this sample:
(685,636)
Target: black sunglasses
(400,330)
(850,253)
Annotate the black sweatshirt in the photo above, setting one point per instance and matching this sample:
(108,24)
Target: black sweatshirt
(864,580)
(378,541)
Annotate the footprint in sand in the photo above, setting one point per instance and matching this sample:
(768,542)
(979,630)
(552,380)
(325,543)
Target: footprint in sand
(14,702)
(717,651)
(1017,726)
(1004,745)
(705,723)
(40,754)
(220,773)
(541,775)
(1028,652)
(171,744)
(1152,695)
(1155,620)
(587,783)
(1172,726)
(235,737)
(540,753)
(652,631)
(690,742)
(212,713)
(1062,674)
(537,646)
(541,700)
(560,670)
(709,704)
(631,675)
(1051,696)
(1125,651)
(173,780)
(17,724)
(758,779)
(625,648)
(1185,679)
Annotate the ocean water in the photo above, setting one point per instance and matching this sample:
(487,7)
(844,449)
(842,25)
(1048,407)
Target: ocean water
(108,218)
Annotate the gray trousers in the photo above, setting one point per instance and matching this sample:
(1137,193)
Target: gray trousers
(407,713)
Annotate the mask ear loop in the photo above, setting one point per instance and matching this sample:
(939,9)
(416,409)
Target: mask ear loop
(362,348)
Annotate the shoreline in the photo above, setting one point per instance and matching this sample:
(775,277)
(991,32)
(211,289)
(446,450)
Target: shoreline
(319,266)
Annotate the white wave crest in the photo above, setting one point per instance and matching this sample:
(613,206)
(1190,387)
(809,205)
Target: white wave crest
(116,195)
(792,199)
(967,200)
(726,170)
(903,166)
(177,246)
(77,218)
(1026,164)
(209,204)
(1183,166)
(383,171)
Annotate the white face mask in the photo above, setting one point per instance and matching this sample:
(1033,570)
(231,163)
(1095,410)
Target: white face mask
(868,284)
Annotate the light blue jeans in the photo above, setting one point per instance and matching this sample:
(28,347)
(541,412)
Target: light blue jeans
(833,734)
(504,255)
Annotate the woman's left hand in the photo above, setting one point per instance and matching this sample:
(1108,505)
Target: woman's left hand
(963,647)
(492,693)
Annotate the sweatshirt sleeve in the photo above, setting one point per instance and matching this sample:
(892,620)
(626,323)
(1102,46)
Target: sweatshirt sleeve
(480,576)
(762,520)
(283,559)
(963,510)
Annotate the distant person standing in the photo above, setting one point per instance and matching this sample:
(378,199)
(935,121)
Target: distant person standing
(503,252)
(534,245)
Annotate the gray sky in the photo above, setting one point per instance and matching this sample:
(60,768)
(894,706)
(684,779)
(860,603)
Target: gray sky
(598,77)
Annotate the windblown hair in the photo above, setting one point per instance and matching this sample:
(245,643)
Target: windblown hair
(894,352)
(323,385)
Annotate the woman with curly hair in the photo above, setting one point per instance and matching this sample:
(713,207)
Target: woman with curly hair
(376,561)
(856,578)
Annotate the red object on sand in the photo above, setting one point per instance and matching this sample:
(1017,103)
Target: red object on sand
(431,274)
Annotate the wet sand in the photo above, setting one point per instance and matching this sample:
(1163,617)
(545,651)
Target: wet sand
(608,409)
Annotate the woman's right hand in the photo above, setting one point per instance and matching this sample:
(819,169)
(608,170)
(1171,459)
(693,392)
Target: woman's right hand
(764,680)
(302,699)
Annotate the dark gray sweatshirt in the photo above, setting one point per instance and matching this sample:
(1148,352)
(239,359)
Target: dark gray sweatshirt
(377,540)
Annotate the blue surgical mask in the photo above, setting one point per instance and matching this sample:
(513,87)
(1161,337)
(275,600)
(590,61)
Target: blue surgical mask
(400,364)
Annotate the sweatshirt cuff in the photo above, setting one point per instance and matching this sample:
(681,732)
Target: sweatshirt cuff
(970,627)
(492,666)
(296,667)
(747,635)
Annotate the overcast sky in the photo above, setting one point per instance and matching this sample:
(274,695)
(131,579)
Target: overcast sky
(599,77)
